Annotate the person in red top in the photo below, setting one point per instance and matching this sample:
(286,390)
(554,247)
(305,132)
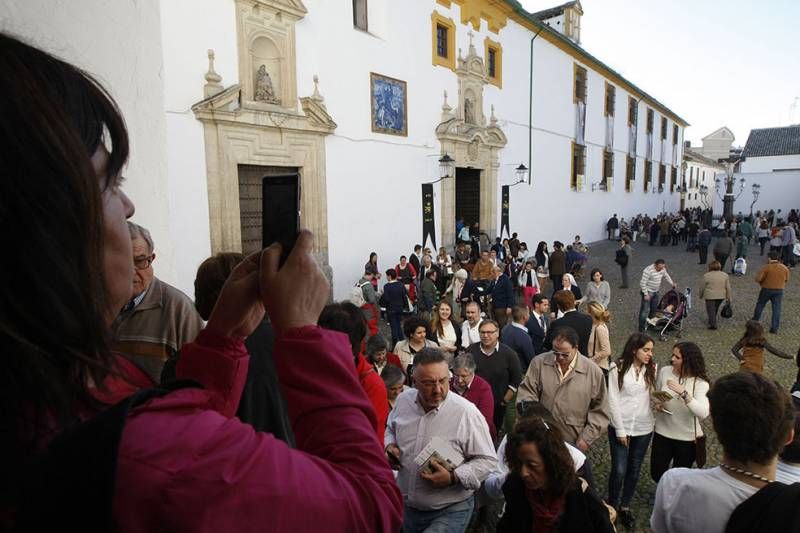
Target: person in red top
(348,319)
(474,388)
(406,273)
(184,463)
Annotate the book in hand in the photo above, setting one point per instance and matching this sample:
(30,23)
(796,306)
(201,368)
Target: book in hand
(661,396)
(440,451)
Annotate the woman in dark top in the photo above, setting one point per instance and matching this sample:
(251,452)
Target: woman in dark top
(542,491)
(372,268)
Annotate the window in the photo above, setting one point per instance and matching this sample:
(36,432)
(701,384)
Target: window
(611,95)
(578,166)
(360,14)
(580,85)
(608,166)
(648,174)
(663,128)
(493,55)
(674,134)
(662,177)
(632,105)
(630,173)
(673,179)
(650,120)
(443,41)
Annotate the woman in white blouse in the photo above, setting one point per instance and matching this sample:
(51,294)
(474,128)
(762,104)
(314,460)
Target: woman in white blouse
(444,330)
(630,382)
(678,419)
(599,339)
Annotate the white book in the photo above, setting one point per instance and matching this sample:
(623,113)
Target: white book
(441,451)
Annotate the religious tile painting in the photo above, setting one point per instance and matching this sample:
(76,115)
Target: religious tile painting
(389,105)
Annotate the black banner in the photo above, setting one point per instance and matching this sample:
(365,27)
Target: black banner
(428,224)
(504,212)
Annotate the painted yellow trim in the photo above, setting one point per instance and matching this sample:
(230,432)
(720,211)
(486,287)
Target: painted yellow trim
(489,44)
(472,11)
(450,61)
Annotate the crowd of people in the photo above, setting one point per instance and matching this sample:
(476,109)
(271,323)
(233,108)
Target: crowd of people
(262,405)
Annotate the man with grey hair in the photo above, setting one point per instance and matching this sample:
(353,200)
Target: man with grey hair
(437,496)
(158,319)
(474,388)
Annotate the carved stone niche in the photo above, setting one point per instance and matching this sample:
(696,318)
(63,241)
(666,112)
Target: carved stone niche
(266,46)
(471,81)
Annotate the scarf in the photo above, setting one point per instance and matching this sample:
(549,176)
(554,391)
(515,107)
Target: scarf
(546,510)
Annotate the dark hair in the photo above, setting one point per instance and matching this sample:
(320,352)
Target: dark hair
(403,257)
(773,256)
(429,355)
(346,318)
(549,441)
(430,273)
(417,247)
(436,322)
(391,273)
(753,334)
(566,333)
(626,358)
(659,262)
(751,415)
(791,453)
(519,312)
(564,299)
(413,322)
(392,375)
(211,276)
(693,365)
(54,314)
(595,271)
(538,298)
(376,343)
(371,255)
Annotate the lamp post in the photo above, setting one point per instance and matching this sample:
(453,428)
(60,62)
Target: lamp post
(756,191)
(730,182)
(446,166)
(683,189)
(521,172)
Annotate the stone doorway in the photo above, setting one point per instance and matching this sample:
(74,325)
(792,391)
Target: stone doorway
(468,195)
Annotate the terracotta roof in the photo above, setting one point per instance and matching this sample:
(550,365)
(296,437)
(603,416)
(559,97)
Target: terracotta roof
(553,11)
(773,141)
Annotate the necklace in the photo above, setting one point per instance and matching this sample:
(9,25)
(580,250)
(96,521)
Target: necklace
(744,473)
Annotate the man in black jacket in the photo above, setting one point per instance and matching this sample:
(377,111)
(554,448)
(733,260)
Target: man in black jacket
(539,323)
(515,336)
(580,322)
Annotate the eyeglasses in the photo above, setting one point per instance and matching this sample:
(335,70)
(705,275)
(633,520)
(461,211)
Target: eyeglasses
(562,354)
(491,332)
(430,383)
(143,262)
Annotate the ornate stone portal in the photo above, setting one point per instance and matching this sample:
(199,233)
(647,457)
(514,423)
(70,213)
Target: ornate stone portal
(257,122)
(466,136)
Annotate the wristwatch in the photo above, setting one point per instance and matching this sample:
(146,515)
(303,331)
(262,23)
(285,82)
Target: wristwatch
(684,395)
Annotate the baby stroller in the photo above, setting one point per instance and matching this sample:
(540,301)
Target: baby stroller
(672,309)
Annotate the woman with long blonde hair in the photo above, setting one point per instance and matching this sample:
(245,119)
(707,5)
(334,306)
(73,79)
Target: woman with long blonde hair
(599,338)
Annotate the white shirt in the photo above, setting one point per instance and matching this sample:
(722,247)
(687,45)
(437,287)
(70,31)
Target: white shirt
(538,318)
(494,483)
(681,425)
(457,421)
(651,279)
(787,473)
(630,411)
(470,334)
(449,337)
(697,501)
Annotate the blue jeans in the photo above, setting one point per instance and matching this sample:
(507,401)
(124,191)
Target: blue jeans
(770,295)
(452,519)
(647,308)
(626,464)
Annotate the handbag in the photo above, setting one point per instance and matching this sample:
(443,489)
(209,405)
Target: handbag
(727,310)
(699,442)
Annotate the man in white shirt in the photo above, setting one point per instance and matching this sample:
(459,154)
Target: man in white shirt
(470,333)
(753,418)
(440,499)
(650,284)
(788,469)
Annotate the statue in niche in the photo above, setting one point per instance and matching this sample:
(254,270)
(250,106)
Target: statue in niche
(469,112)
(265,92)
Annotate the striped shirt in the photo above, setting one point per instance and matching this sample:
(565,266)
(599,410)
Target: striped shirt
(651,279)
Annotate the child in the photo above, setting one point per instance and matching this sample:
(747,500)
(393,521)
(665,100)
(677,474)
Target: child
(750,348)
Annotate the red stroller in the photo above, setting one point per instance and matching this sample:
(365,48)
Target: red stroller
(672,309)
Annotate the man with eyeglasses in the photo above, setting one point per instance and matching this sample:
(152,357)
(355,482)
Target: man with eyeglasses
(572,388)
(499,365)
(158,319)
(439,498)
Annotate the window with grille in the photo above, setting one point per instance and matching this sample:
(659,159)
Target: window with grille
(580,84)
(492,63)
(650,121)
(441,40)
(608,166)
(662,177)
(611,95)
(673,179)
(578,166)
(360,14)
(630,173)
(663,128)
(674,134)
(631,111)
(648,174)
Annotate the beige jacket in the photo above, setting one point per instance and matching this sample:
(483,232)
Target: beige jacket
(600,345)
(579,404)
(716,286)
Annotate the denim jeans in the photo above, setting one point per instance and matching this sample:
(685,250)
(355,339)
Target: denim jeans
(626,464)
(451,519)
(647,308)
(770,295)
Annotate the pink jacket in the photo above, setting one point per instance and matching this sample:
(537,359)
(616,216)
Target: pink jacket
(186,464)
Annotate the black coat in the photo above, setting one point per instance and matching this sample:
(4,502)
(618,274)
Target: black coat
(775,507)
(536,333)
(584,511)
(580,322)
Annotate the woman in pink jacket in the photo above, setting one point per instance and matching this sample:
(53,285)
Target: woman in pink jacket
(183,462)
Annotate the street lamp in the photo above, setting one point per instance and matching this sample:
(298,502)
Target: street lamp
(756,191)
(446,166)
(521,172)
(730,181)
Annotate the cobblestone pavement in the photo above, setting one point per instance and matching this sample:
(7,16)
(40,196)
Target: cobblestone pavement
(684,269)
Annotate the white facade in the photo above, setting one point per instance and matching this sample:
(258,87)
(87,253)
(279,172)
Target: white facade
(153,58)
(779,178)
(700,171)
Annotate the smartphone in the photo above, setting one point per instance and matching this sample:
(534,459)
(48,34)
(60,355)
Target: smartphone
(280,212)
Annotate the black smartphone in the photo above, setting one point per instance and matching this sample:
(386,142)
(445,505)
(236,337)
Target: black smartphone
(280,212)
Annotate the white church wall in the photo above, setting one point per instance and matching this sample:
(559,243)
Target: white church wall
(770,163)
(779,190)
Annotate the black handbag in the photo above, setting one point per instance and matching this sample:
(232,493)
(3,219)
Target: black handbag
(727,310)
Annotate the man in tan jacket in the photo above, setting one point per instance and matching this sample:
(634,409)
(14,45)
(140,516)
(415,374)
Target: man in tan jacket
(715,288)
(772,277)
(572,388)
